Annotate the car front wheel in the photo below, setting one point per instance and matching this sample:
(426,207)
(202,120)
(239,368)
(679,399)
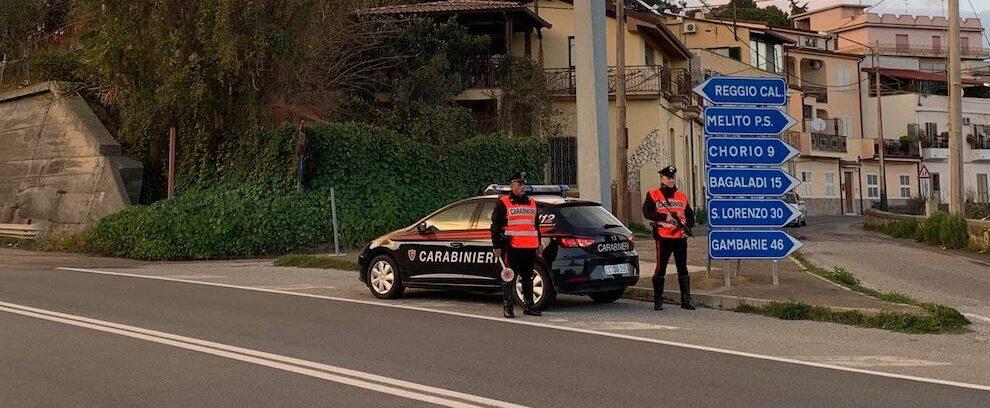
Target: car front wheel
(384,279)
(544,293)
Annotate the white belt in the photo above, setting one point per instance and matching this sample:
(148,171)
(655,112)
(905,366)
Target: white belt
(522,222)
(521,233)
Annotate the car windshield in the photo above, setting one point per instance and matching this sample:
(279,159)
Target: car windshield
(587,217)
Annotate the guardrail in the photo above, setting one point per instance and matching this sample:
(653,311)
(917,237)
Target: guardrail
(30,231)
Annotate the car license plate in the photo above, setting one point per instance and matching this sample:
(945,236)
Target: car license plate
(620,269)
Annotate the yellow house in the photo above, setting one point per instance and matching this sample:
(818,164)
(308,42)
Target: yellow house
(662,115)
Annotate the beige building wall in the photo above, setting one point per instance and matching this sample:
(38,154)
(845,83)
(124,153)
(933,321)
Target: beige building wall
(656,128)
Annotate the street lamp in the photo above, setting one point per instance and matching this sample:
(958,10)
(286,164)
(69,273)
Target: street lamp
(876,71)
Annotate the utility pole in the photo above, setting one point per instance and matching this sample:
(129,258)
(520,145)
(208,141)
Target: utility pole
(621,133)
(883,146)
(594,152)
(957,200)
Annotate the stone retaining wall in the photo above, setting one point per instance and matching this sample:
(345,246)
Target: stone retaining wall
(979,230)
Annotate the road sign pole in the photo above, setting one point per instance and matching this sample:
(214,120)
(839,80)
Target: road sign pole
(776,275)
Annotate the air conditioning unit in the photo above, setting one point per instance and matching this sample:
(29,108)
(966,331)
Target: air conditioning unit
(811,42)
(690,28)
(967,121)
(815,64)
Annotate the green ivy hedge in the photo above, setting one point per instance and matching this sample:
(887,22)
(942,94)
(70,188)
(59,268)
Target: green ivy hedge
(382,180)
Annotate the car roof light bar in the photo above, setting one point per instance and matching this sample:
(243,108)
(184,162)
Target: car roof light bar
(555,189)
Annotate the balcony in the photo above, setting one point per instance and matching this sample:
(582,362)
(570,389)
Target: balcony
(934,148)
(829,136)
(820,93)
(896,149)
(979,147)
(641,80)
(915,50)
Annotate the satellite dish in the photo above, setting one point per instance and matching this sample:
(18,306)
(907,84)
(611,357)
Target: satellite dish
(818,124)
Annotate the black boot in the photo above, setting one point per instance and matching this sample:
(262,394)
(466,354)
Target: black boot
(528,307)
(658,281)
(509,303)
(685,283)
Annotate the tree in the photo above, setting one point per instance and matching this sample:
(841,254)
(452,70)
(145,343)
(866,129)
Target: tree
(798,9)
(747,10)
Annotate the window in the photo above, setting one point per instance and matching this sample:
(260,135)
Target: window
(487,208)
(571,48)
(872,186)
(905,186)
(735,53)
(830,184)
(964,44)
(845,80)
(768,57)
(931,129)
(936,183)
(806,183)
(901,42)
(649,55)
(936,42)
(454,218)
(982,193)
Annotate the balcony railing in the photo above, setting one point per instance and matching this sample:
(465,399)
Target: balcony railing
(979,144)
(898,149)
(828,143)
(819,92)
(919,50)
(640,80)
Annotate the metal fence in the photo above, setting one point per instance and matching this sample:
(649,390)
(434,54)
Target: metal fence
(563,160)
(640,79)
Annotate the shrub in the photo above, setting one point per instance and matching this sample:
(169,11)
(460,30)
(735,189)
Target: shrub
(953,233)
(383,181)
(931,228)
(900,228)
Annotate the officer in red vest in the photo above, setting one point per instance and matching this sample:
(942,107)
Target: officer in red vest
(671,218)
(516,239)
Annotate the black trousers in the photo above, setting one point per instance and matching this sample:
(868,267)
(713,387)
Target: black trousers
(521,261)
(667,247)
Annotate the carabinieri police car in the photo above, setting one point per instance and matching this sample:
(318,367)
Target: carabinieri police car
(586,250)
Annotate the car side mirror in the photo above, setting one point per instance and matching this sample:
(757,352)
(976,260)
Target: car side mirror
(422,228)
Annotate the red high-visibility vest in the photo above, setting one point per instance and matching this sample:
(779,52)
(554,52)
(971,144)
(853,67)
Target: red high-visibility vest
(521,224)
(677,204)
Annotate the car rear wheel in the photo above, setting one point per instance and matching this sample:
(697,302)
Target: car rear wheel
(384,279)
(607,297)
(544,293)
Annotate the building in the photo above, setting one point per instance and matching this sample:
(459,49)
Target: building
(909,53)
(662,114)
(824,95)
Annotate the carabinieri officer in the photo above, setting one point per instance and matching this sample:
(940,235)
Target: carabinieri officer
(672,218)
(516,239)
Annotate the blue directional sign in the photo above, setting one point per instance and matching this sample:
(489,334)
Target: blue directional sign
(742,151)
(744,90)
(766,244)
(749,182)
(721,120)
(750,213)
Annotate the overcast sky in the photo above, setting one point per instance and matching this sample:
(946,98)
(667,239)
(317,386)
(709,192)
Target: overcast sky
(916,7)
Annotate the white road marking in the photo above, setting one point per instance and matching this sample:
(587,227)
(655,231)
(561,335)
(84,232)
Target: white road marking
(872,361)
(557,327)
(975,316)
(373,382)
(301,286)
(194,276)
(617,326)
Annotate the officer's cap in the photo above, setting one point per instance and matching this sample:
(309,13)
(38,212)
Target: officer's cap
(519,176)
(669,171)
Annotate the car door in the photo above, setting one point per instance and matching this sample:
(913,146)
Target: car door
(437,251)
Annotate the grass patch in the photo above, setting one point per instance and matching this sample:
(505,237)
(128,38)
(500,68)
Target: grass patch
(316,261)
(939,318)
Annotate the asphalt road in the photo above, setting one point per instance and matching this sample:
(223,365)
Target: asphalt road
(50,360)
(901,265)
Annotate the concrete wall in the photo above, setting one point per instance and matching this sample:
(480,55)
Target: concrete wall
(59,166)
